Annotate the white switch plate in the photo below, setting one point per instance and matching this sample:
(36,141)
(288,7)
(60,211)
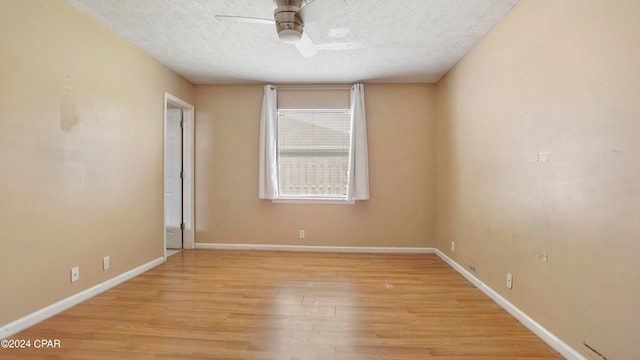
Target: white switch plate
(509,281)
(75,273)
(105,263)
(301,234)
(453,246)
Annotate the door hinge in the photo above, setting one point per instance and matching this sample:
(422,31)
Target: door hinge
(181,226)
(181,174)
(182,124)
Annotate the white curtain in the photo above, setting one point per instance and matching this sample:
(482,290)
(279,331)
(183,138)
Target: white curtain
(268,177)
(358,181)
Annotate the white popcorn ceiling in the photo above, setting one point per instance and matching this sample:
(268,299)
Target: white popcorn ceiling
(369,40)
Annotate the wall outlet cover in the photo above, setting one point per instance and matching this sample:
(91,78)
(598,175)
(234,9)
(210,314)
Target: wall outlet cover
(75,273)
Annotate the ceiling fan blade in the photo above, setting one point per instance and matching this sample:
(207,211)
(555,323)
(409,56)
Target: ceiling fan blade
(305,46)
(245,19)
(317,10)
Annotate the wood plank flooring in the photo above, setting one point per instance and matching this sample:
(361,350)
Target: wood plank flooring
(210,304)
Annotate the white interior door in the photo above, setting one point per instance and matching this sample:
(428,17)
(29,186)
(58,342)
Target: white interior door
(173,179)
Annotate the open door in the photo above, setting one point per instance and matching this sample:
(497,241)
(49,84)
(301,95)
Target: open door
(178,174)
(173,174)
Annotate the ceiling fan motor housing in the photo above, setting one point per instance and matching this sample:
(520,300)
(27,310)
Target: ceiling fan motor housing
(289,25)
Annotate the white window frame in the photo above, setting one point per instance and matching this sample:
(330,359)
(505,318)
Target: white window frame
(311,200)
(336,200)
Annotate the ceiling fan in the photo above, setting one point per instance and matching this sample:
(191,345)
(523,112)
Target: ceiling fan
(290,17)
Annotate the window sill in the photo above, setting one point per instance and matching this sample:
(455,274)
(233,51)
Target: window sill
(285,200)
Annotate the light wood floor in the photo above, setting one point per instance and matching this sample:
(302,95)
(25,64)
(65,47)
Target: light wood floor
(205,304)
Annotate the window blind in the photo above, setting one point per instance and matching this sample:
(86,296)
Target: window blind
(313,152)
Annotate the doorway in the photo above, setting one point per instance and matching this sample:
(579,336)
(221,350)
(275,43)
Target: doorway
(178,174)
(173,176)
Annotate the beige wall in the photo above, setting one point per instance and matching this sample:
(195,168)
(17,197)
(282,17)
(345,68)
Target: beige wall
(401,163)
(81,127)
(81,158)
(560,78)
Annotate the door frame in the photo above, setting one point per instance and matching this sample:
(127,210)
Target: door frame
(188,206)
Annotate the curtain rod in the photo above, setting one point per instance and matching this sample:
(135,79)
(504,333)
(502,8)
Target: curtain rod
(308,88)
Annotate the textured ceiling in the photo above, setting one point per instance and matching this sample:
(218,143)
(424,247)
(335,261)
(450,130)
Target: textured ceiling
(367,40)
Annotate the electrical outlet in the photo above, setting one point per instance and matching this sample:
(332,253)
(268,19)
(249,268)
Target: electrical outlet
(301,234)
(105,263)
(453,246)
(509,281)
(75,273)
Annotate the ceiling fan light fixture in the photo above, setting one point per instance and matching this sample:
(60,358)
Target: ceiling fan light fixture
(290,35)
(289,25)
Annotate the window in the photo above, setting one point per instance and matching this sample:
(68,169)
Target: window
(313,153)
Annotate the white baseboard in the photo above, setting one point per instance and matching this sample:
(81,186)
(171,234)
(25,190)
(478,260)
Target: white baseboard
(302,248)
(25,322)
(544,334)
